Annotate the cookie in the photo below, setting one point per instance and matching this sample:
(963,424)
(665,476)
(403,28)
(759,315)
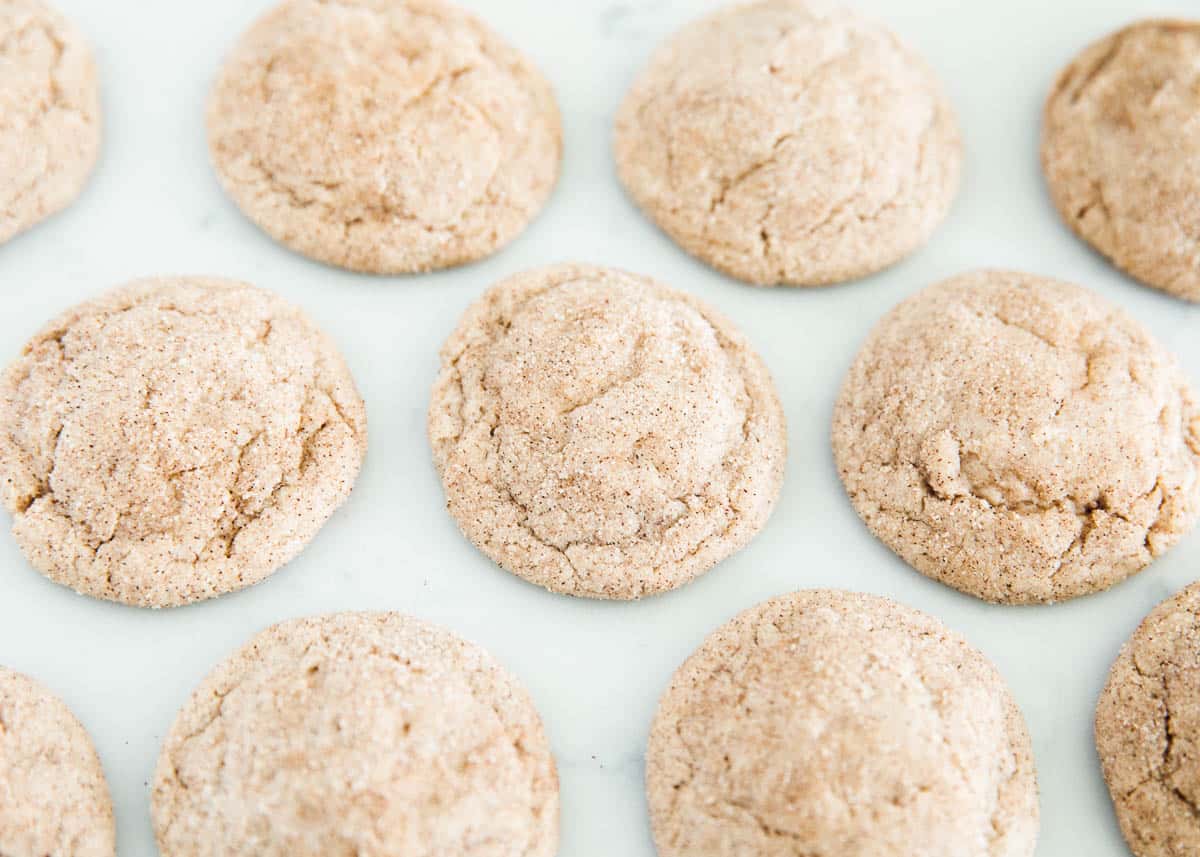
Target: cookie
(827,722)
(1121,151)
(357,733)
(788,142)
(1148,730)
(49,114)
(175,439)
(385,136)
(1019,438)
(602,435)
(54,799)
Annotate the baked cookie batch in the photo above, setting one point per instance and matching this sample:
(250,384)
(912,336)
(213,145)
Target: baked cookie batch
(601,434)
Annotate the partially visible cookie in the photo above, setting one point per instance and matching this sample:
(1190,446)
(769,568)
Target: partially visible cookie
(1019,438)
(788,142)
(175,439)
(386,136)
(600,434)
(49,114)
(357,733)
(834,723)
(1121,151)
(1148,730)
(54,799)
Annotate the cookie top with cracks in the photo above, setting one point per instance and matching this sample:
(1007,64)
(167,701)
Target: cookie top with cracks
(827,722)
(789,142)
(49,113)
(386,136)
(53,795)
(1019,438)
(1121,151)
(1148,730)
(357,733)
(600,434)
(175,439)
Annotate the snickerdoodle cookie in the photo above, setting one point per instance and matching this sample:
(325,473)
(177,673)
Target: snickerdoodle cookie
(602,435)
(790,142)
(49,114)
(53,796)
(1019,438)
(1148,731)
(175,439)
(1121,151)
(827,722)
(357,733)
(386,136)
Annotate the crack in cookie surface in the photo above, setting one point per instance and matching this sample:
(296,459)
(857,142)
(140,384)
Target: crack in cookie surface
(1019,438)
(175,439)
(385,137)
(602,435)
(739,142)
(357,733)
(781,736)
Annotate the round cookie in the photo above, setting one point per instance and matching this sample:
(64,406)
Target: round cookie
(175,439)
(828,722)
(602,435)
(54,799)
(787,142)
(1018,438)
(1148,730)
(1121,151)
(357,733)
(49,114)
(385,136)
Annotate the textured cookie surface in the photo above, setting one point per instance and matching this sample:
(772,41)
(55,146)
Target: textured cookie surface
(175,439)
(1121,151)
(386,136)
(1018,438)
(357,734)
(1148,731)
(54,801)
(49,114)
(602,435)
(790,142)
(833,723)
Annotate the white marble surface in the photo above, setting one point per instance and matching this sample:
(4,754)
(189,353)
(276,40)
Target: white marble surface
(595,669)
